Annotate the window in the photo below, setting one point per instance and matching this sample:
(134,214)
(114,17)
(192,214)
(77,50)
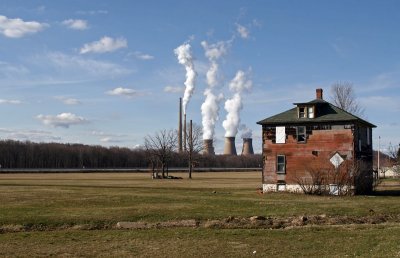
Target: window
(310,112)
(301,134)
(281,164)
(281,187)
(302,112)
(280,134)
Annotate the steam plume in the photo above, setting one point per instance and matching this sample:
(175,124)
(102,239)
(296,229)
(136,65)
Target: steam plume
(184,55)
(238,85)
(210,107)
(246,132)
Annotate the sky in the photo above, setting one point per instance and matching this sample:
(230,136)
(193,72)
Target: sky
(108,73)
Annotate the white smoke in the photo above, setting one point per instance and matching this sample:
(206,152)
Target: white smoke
(209,112)
(246,132)
(238,85)
(210,107)
(184,55)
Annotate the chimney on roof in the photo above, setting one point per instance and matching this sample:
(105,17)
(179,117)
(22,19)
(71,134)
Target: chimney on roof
(319,93)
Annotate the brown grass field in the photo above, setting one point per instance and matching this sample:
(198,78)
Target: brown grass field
(76,215)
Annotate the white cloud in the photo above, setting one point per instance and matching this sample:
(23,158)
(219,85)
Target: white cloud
(141,56)
(10,70)
(94,67)
(243,31)
(76,24)
(104,134)
(17,28)
(123,92)
(62,120)
(9,101)
(109,140)
(68,101)
(172,89)
(29,135)
(92,12)
(105,44)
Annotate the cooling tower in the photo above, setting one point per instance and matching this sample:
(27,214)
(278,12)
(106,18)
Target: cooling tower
(208,148)
(247,146)
(229,147)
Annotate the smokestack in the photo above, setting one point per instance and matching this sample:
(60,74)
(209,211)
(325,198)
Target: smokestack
(180,126)
(184,133)
(247,147)
(319,93)
(229,147)
(208,148)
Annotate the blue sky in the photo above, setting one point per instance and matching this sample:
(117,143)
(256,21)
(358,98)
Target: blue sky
(105,72)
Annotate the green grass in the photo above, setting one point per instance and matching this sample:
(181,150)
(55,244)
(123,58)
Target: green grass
(354,241)
(52,201)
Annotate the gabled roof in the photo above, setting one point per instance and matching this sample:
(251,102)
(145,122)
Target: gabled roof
(326,113)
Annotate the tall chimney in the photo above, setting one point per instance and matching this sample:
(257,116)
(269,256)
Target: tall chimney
(229,147)
(180,126)
(247,147)
(208,148)
(319,93)
(184,133)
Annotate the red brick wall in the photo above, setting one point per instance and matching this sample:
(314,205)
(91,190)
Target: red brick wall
(299,156)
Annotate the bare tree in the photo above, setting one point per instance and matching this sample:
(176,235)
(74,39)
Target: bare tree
(160,147)
(343,96)
(394,156)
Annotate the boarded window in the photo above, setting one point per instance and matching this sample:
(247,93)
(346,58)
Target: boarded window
(301,134)
(310,112)
(280,164)
(280,134)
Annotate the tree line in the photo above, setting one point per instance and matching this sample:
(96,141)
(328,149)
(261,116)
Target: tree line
(17,154)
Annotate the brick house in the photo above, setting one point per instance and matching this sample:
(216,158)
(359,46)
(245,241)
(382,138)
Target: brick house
(317,146)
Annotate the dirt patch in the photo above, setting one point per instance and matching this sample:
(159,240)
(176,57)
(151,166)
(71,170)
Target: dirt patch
(231,222)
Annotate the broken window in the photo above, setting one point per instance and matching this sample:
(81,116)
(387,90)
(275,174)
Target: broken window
(302,112)
(301,134)
(280,134)
(310,112)
(281,164)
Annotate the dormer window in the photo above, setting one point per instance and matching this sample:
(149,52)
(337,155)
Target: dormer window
(302,112)
(310,112)
(306,112)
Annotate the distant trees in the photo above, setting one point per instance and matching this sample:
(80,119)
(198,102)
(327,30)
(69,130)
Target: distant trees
(16,154)
(343,96)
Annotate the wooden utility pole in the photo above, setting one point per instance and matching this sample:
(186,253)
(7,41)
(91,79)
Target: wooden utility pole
(190,149)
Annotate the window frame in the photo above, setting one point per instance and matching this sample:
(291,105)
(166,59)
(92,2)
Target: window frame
(312,112)
(304,113)
(279,164)
(304,134)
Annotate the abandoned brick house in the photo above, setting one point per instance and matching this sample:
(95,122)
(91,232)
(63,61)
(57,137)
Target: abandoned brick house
(316,145)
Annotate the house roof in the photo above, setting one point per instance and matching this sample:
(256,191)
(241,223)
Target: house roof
(326,113)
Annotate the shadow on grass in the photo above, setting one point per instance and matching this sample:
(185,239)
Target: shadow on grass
(387,192)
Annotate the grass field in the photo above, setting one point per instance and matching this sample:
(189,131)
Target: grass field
(51,214)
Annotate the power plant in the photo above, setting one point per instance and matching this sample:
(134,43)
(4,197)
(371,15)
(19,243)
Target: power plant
(208,144)
(208,148)
(247,147)
(229,146)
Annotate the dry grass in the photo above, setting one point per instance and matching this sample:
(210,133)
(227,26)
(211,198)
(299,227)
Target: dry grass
(78,202)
